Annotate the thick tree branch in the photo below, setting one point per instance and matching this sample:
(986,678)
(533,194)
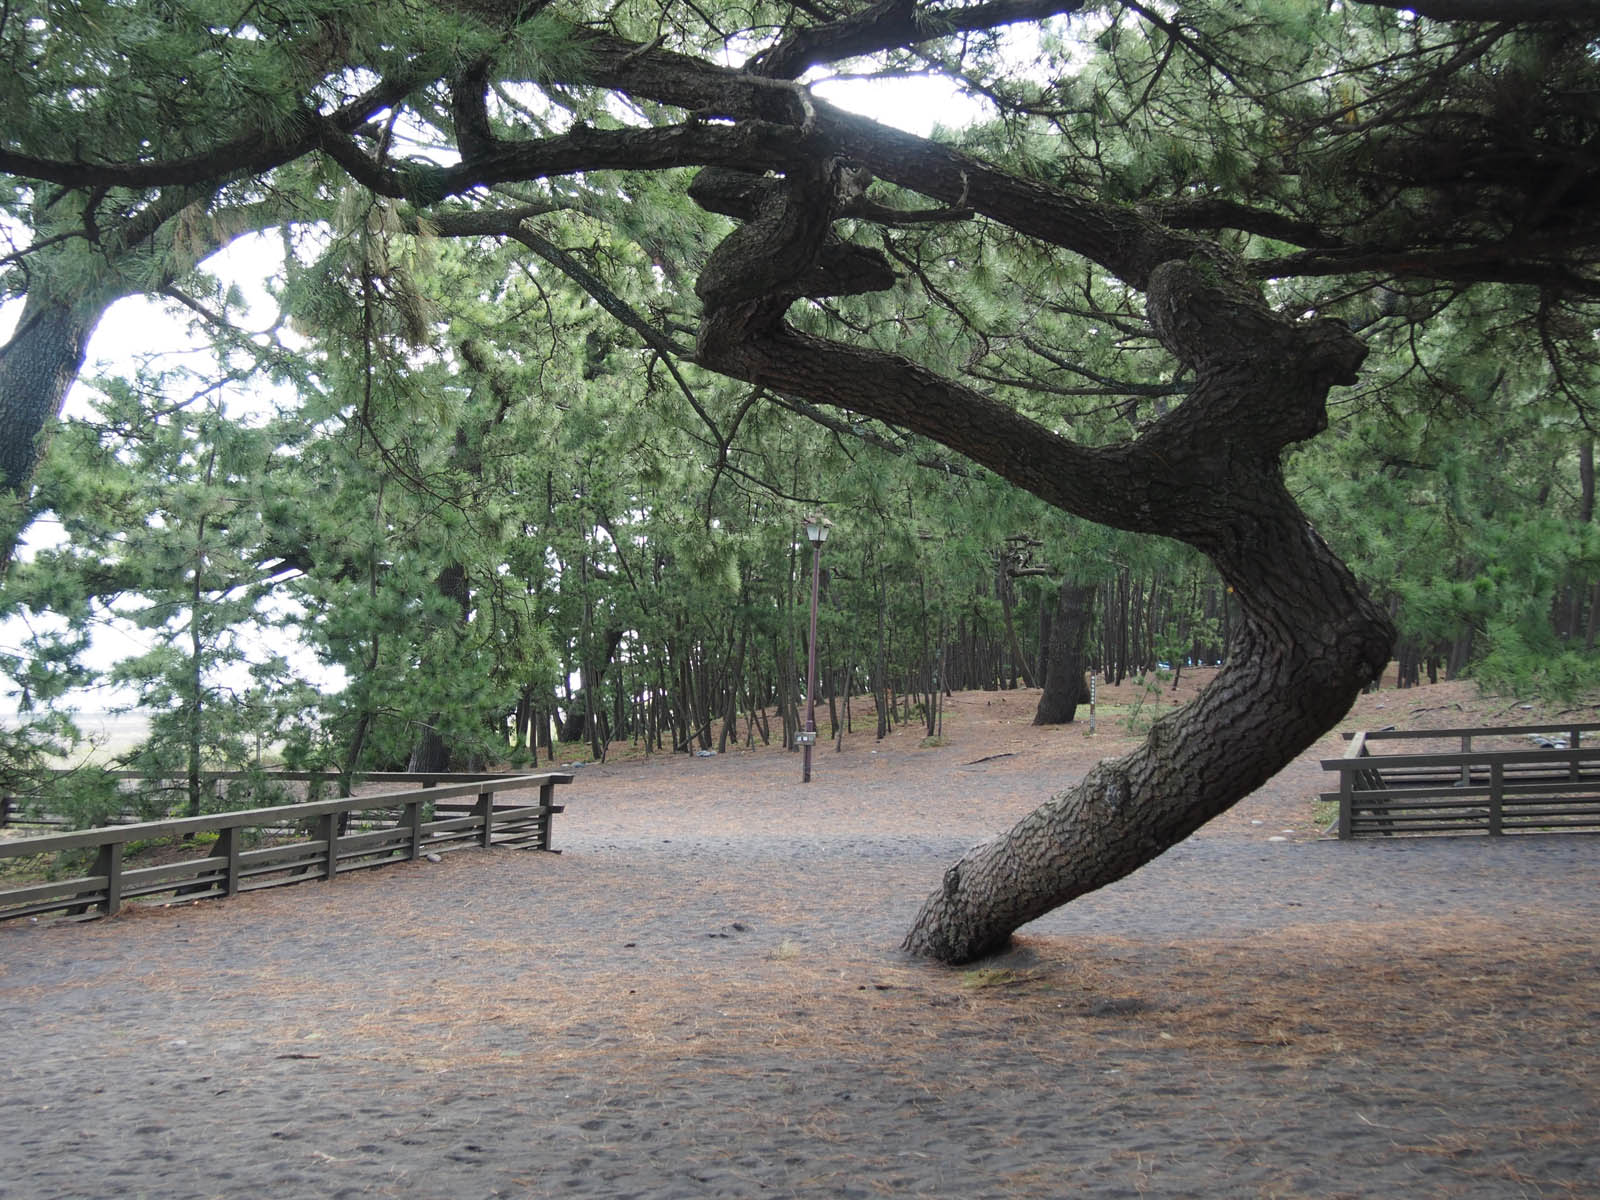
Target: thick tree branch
(1122,240)
(892,24)
(755,144)
(248,154)
(486,222)
(1214,214)
(1475,264)
(1218,329)
(1495,10)
(857,431)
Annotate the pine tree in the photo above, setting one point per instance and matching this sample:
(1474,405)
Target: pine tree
(1202,212)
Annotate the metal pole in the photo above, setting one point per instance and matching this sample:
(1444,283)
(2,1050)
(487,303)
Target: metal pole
(811,663)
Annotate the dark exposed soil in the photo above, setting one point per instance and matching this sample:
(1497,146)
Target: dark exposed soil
(702,997)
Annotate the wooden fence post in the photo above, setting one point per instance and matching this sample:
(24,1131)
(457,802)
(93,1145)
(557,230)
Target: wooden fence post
(1497,783)
(547,798)
(486,815)
(108,862)
(328,829)
(228,848)
(412,820)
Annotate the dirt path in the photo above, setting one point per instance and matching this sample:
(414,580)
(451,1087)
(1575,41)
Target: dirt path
(701,997)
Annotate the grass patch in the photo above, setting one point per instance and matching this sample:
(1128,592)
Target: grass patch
(1324,813)
(984,978)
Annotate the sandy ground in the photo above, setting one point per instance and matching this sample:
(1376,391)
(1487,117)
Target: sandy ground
(701,996)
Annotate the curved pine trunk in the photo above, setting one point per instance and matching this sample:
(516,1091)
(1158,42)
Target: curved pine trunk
(1310,641)
(1207,473)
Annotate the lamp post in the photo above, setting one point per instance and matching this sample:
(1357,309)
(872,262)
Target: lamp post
(817,532)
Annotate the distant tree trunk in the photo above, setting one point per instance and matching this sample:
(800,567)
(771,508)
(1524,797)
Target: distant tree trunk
(880,681)
(1408,665)
(590,722)
(1006,593)
(1042,662)
(1586,509)
(833,705)
(730,709)
(575,723)
(357,743)
(430,752)
(1063,677)
(1125,611)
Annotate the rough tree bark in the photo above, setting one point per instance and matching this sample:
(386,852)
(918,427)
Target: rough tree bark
(1208,473)
(37,368)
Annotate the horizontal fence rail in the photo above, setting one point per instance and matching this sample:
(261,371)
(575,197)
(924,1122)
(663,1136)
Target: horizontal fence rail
(1552,785)
(233,852)
(21,813)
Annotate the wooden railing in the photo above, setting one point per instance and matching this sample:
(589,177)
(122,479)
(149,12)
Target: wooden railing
(21,813)
(1553,785)
(393,827)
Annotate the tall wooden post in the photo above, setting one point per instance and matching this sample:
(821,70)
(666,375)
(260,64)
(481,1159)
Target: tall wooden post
(817,532)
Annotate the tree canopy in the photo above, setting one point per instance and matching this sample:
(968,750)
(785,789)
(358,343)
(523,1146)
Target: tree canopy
(536,257)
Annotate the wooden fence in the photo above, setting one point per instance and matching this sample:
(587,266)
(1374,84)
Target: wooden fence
(1531,779)
(238,852)
(21,813)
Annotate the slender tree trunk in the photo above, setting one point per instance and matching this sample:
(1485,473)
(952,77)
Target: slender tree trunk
(1124,619)
(589,721)
(1019,663)
(730,712)
(1586,510)
(430,752)
(196,680)
(358,736)
(833,706)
